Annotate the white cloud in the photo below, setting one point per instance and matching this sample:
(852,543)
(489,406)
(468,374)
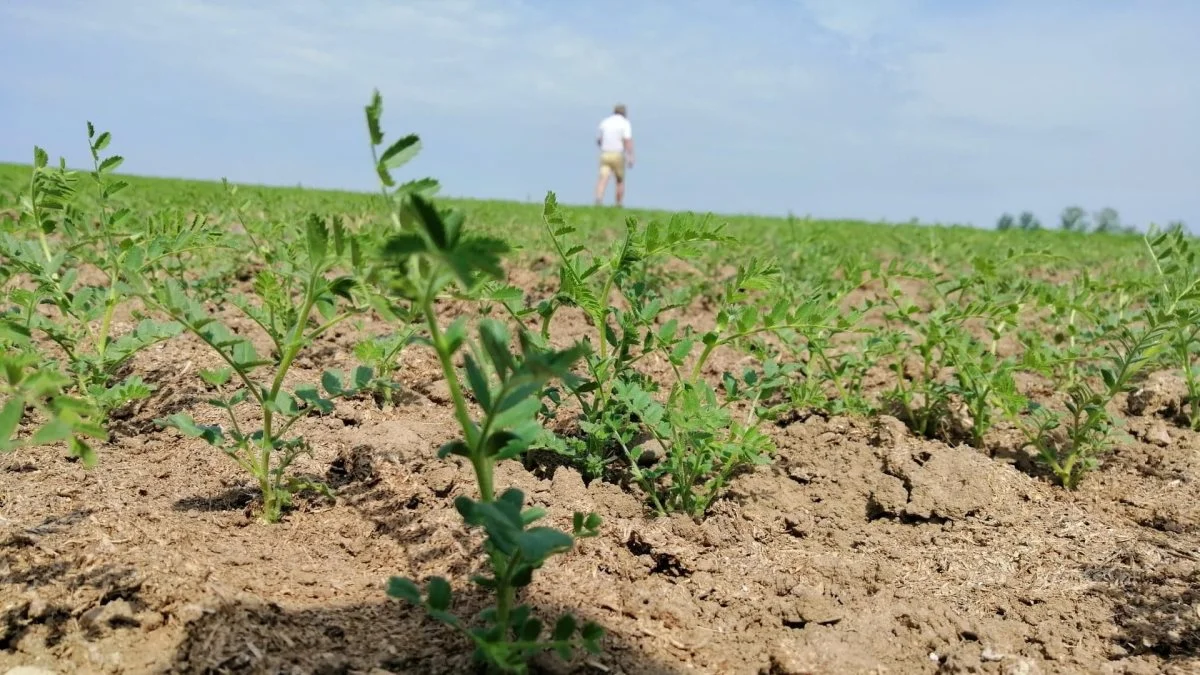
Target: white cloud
(452,54)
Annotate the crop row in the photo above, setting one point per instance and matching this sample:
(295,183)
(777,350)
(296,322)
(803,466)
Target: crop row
(952,332)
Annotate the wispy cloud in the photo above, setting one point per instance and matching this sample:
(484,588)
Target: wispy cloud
(875,108)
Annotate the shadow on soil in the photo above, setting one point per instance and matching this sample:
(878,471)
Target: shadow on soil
(250,636)
(24,563)
(1156,613)
(375,637)
(383,637)
(232,499)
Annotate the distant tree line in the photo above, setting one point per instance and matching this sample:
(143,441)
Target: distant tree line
(1072,219)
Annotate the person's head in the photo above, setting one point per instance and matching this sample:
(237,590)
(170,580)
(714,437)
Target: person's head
(619,109)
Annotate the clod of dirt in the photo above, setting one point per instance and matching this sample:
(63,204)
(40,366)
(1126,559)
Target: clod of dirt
(38,608)
(661,562)
(150,621)
(651,450)
(806,606)
(1158,435)
(889,497)
(29,670)
(10,623)
(961,421)
(352,466)
(438,392)
(888,432)
(939,483)
(1022,667)
(567,489)
(191,612)
(116,614)
(1161,393)
(820,652)
(441,480)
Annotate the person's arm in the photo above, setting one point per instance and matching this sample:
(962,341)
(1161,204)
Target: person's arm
(628,140)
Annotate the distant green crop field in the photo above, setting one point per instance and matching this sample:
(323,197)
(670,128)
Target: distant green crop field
(521,222)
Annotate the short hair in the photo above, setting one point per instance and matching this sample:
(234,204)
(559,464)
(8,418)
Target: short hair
(619,109)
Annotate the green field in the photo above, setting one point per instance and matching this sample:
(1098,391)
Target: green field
(667,354)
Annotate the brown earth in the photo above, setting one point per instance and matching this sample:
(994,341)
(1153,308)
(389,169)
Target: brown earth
(861,550)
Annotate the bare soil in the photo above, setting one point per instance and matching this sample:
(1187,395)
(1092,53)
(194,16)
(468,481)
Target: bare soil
(860,550)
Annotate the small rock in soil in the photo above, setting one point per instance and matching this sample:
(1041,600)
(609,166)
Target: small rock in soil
(438,392)
(990,654)
(189,613)
(37,608)
(1158,435)
(1022,667)
(441,480)
(150,620)
(810,606)
(115,614)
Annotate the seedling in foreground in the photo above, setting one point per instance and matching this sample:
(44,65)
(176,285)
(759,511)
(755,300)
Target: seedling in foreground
(297,304)
(430,253)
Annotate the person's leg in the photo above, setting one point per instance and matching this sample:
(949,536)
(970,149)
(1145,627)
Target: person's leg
(620,176)
(602,182)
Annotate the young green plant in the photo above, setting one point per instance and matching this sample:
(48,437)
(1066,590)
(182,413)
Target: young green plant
(431,252)
(295,303)
(81,316)
(1178,297)
(1070,444)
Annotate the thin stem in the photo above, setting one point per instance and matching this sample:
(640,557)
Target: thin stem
(110,308)
(829,370)
(319,330)
(37,215)
(640,477)
(602,320)
(708,349)
(481,463)
(295,343)
(114,261)
(505,590)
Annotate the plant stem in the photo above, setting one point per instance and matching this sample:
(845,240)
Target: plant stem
(602,320)
(708,349)
(481,463)
(837,384)
(36,212)
(110,308)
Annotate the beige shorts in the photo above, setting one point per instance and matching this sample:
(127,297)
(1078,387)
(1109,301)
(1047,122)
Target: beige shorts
(614,163)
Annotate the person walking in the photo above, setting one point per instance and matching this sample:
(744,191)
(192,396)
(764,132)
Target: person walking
(615,139)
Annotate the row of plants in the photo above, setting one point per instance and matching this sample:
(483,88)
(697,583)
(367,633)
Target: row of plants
(638,400)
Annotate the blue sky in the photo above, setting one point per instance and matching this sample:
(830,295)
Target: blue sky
(945,110)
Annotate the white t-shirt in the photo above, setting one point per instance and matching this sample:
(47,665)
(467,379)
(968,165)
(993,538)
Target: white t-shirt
(614,131)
